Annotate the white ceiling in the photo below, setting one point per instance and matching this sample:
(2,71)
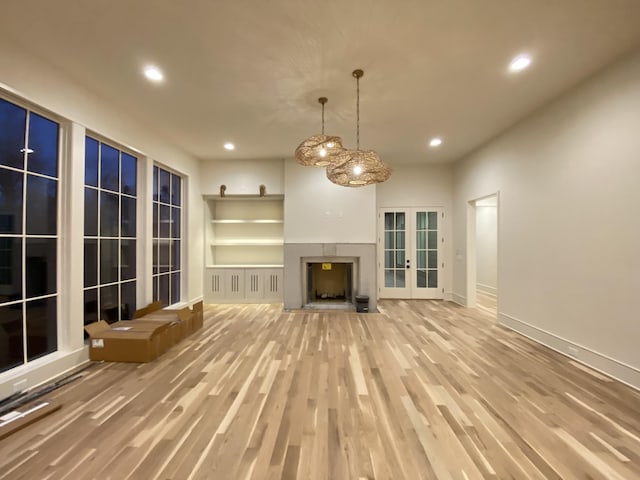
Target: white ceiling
(250,71)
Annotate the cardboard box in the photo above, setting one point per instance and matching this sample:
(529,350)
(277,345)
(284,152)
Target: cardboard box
(198,315)
(126,341)
(175,328)
(152,307)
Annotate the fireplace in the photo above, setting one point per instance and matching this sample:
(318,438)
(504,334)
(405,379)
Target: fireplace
(352,272)
(329,283)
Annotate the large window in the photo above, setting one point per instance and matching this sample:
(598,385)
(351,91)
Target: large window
(167,190)
(28,235)
(109,233)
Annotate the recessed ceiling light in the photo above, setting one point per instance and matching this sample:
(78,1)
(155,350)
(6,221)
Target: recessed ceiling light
(229,146)
(153,73)
(435,142)
(520,63)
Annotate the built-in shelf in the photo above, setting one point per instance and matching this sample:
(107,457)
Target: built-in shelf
(244,266)
(244,249)
(248,242)
(237,220)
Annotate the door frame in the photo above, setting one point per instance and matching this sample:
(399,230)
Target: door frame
(472,273)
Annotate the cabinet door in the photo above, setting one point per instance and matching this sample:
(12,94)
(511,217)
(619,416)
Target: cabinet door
(233,284)
(273,284)
(254,284)
(214,290)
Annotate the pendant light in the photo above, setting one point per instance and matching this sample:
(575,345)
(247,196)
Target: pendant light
(319,150)
(358,168)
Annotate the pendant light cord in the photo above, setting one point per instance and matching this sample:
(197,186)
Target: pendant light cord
(357,113)
(323,119)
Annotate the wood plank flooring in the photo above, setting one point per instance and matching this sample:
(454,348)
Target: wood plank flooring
(425,389)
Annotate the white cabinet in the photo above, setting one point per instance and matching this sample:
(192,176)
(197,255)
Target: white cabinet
(244,248)
(243,285)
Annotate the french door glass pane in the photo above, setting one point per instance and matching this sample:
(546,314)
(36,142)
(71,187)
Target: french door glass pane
(421,261)
(389,278)
(433,259)
(400,259)
(399,221)
(388,258)
(421,278)
(433,241)
(400,240)
(421,240)
(400,279)
(389,240)
(433,279)
(388,221)
(433,220)
(421,220)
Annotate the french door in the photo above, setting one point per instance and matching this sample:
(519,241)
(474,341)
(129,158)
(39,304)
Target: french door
(410,260)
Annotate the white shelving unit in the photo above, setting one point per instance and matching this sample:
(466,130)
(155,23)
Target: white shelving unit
(244,248)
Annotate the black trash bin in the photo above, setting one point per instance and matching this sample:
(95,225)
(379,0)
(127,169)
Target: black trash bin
(362,303)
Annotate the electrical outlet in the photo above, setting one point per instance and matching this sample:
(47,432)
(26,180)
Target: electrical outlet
(573,351)
(20,386)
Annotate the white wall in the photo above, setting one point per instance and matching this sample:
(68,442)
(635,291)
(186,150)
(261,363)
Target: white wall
(568,179)
(423,186)
(487,248)
(242,177)
(24,78)
(317,211)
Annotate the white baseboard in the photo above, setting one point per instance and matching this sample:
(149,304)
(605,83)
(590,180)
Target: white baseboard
(459,299)
(40,371)
(487,289)
(611,367)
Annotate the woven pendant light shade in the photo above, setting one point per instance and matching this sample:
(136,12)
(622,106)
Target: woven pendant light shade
(358,169)
(319,150)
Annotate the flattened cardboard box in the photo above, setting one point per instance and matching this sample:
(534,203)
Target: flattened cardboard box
(125,343)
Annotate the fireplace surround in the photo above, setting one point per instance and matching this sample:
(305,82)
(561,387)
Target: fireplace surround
(359,258)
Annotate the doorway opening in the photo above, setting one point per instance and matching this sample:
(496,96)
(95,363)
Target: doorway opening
(482,254)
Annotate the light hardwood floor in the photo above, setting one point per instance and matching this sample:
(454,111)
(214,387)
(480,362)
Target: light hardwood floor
(425,389)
